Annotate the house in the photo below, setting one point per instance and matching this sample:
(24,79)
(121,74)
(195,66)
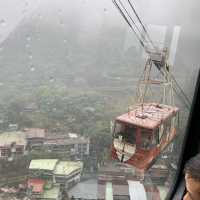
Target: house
(37,190)
(12,144)
(53,171)
(35,138)
(68,173)
(35,187)
(72,143)
(42,167)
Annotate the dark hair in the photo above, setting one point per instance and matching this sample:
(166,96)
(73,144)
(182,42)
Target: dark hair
(192,167)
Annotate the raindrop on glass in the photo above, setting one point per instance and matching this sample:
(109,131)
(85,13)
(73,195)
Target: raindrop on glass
(2,22)
(61,23)
(32,69)
(40,16)
(30,57)
(28,38)
(24,11)
(59,11)
(26,4)
(51,79)
(27,46)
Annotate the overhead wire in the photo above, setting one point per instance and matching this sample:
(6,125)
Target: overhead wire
(177,89)
(142,25)
(132,20)
(130,25)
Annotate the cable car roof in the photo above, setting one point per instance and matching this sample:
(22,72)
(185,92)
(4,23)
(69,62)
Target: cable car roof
(148,115)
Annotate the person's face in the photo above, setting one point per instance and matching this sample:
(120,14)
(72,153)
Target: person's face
(192,185)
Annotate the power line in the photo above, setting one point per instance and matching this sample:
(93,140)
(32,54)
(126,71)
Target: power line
(140,33)
(127,21)
(140,21)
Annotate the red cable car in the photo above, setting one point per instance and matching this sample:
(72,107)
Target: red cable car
(140,135)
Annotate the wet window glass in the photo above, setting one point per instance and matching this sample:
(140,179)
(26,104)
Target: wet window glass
(95,96)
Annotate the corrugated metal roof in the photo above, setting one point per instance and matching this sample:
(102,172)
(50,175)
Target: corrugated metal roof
(149,116)
(109,191)
(68,141)
(67,167)
(137,190)
(117,190)
(8,138)
(35,133)
(43,164)
(84,190)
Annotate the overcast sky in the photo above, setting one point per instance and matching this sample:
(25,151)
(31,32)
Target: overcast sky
(163,12)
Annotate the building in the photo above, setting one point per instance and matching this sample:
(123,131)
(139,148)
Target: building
(49,178)
(84,190)
(116,182)
(12,144)
(35,138)
(36,187)
(64,173)
(119,182)
(72,143)
(42,168)
(37,190)
(68,173)
(52,194)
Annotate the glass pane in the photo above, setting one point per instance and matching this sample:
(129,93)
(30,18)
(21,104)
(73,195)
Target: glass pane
(70,68)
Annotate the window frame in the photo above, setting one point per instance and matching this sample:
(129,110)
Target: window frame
(191,144)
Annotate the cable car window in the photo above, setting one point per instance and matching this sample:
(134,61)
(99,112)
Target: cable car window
(146,138)
(155,136)
(129,134)
(125,132)
(70,68)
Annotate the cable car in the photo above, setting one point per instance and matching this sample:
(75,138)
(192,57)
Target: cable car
(140,135)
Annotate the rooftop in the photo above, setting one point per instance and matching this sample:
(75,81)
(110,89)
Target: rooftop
(85,190)
(35,133)
(66,141)
(43,164)
(67,167)
(149,116)
(8,138)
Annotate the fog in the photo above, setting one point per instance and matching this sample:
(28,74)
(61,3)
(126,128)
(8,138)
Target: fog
(95,25)
(72,66)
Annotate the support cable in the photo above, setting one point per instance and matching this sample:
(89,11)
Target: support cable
(128,14)
(127,21)
(140,21)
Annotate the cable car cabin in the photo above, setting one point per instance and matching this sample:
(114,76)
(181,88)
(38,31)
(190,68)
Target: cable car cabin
(143,133)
